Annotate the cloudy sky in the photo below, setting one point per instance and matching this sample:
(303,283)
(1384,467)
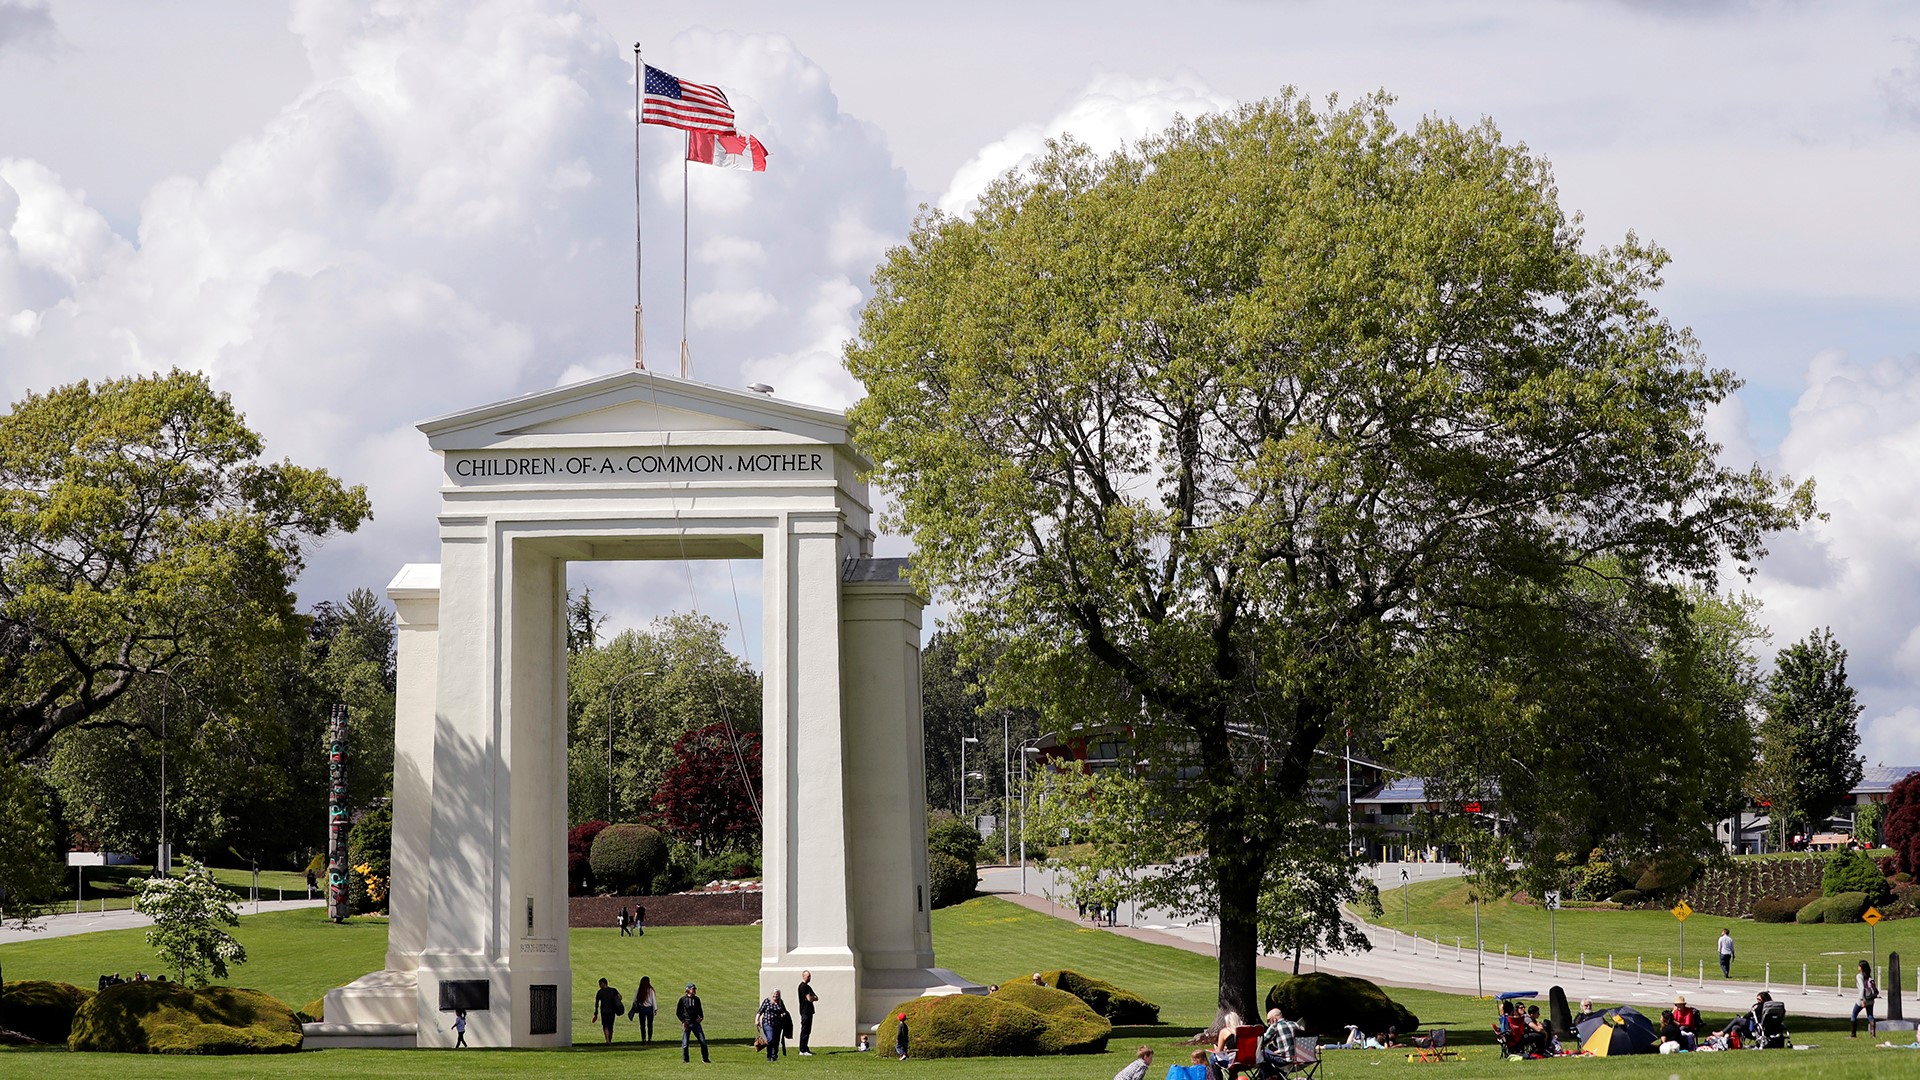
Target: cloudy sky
(357,214)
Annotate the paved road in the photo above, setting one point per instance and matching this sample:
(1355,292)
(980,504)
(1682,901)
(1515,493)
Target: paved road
(88,922)
(1397,960)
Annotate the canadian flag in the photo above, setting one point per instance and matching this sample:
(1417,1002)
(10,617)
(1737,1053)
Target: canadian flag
(728,151)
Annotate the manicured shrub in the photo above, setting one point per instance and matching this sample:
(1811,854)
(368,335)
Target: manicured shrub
(1777,909)
(626,858)
(1117,1005)
(1326,1004)
(1853,871)
(1814,911)
(314,1011)
(949,880)
(1847,907)
(168,1018)
(955,837)
(1072,1027)
(1628,897)
(42,1011)
(964,1025)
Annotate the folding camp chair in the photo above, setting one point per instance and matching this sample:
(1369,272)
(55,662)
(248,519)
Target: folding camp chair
(1431,1048)
(1304,1064)
(1246,1050)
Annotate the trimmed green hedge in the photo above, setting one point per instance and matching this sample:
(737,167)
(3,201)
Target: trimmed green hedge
(626,858)
(949,881)
(1072,1027)
(1814,911)
(1117,1005)
(1847,907)
(964,1025)
(1325,1004)
(168,1018)
(1853,871)
(1779,909)
(42,1011)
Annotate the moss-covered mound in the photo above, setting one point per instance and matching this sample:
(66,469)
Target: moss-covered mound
(1117,1005)
(964,1025)
(1072,1027)
(167,1018)
(41,1011)
(1326,1004)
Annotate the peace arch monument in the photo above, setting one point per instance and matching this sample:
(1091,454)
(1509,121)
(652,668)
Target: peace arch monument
(642,466)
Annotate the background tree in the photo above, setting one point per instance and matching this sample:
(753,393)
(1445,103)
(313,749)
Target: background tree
(950,710)
(1222,433)
(1808,738)
(1903,823)
(695,683)
(140,534)
(188,912)
(710,792)
(30,877)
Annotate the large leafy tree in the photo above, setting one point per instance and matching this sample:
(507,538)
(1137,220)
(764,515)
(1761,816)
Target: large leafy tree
(140,536)
(658,684)
(1809,738)
(1221,435)
(710,793)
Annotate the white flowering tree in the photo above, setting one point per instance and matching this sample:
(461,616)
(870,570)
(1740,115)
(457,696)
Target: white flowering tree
(188,913)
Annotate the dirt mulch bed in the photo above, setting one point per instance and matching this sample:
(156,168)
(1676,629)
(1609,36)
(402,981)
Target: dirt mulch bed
(680,909)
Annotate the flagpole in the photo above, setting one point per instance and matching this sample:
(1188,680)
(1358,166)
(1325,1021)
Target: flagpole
(686,360)
(639,333)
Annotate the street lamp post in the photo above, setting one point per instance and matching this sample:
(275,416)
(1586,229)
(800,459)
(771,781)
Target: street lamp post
(610,690)
(1025,751)
(964,740)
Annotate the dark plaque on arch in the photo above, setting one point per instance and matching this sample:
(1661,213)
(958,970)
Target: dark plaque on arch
(543,1009)
(468,994)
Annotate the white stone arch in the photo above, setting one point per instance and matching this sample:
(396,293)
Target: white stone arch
(640,466)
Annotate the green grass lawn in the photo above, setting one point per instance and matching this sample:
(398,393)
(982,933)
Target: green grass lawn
(1443,909)
(296,955)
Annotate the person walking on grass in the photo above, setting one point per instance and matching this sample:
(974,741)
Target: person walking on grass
(645,1004)
(606,1007)
(459,1028)
(691,1016)
(1726,953)
(771,1019)
(1863,981)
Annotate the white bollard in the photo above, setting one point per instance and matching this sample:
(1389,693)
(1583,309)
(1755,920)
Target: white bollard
(1803,980)
(1609,967)
(1768,985)
(1457,958)
(1669,971)
(1529,959)
(1638,971)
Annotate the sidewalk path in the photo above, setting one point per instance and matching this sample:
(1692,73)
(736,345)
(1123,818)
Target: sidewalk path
(1397,961)
(88,922)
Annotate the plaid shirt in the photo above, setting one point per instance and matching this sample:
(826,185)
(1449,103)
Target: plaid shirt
(1277,1040)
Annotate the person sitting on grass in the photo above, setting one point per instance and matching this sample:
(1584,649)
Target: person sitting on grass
(1687,1019)
(1137,1068)
(1537,1038)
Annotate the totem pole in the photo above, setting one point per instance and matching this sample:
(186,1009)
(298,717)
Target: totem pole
(337,823)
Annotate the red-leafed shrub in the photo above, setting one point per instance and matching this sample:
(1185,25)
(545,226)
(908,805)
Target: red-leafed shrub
(580,857)
(1902,825)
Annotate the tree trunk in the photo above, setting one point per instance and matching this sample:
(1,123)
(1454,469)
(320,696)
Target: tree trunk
(1237,877)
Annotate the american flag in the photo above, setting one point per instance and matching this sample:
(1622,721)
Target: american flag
(688,105)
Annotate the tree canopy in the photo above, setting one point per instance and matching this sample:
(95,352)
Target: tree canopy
(674,677)
(1248,434)
(141,535)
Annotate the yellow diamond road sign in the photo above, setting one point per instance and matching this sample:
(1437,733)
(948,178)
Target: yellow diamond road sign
(1871,916)
(1681,910)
